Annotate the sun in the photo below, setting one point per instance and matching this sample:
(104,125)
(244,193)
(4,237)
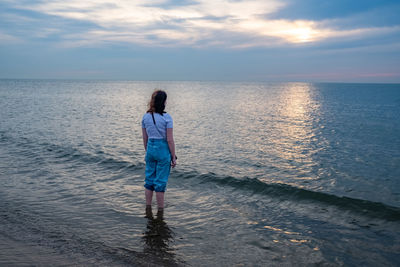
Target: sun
(300,32)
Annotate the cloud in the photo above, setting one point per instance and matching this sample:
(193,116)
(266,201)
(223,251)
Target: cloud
(318,10)
(202,23)
(9,39)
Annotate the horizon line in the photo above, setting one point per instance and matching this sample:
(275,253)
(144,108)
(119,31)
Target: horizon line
(178,80)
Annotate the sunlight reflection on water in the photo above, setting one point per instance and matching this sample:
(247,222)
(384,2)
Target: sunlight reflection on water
(293,133)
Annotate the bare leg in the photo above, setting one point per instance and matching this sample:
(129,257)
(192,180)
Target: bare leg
(149,196)
(160,199)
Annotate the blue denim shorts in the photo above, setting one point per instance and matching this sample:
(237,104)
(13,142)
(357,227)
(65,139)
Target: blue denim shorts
(158,165)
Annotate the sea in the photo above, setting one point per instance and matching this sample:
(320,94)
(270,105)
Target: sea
(268,174)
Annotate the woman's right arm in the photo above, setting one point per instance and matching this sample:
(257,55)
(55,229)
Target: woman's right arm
(171,145)
(145,138)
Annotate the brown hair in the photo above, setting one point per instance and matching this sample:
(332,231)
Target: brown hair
(157,102)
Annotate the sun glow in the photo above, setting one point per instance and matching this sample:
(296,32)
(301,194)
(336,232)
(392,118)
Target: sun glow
(291,31)
(301,34)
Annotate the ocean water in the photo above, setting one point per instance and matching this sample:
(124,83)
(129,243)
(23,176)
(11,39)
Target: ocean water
(269,174)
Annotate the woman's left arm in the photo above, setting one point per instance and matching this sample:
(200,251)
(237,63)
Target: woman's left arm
(171,145)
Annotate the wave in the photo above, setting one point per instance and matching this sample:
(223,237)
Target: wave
(64,154)
(284,191)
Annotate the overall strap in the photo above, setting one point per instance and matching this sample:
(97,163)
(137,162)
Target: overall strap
(154,121)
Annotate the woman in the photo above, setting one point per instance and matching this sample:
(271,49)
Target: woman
(159,144)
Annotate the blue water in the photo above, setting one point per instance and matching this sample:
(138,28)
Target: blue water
(268,174)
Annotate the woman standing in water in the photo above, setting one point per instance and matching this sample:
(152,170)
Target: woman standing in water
(159,144)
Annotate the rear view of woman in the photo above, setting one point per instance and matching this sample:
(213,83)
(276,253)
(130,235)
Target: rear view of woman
(158,140)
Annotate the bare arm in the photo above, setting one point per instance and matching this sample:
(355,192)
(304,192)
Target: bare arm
(145,138)
(171,145)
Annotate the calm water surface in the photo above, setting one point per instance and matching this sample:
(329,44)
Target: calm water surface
(269,174)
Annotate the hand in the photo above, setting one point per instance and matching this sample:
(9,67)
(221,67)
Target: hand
(173,163)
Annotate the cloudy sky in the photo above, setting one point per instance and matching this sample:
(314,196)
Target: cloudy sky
(229,40)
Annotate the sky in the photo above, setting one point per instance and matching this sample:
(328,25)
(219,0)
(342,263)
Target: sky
(210,40)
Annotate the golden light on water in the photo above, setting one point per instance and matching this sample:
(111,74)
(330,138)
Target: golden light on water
(296,101)
(298,241)
(279,230)
(296,129)
(284,125)
(294,132)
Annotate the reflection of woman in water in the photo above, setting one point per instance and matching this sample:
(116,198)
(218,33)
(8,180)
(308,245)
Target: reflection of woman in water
(159,144)
(157,238)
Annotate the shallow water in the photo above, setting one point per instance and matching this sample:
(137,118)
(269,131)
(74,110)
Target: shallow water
(268,174)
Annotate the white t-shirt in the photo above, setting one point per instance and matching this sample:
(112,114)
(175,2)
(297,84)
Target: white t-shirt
(159,130)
